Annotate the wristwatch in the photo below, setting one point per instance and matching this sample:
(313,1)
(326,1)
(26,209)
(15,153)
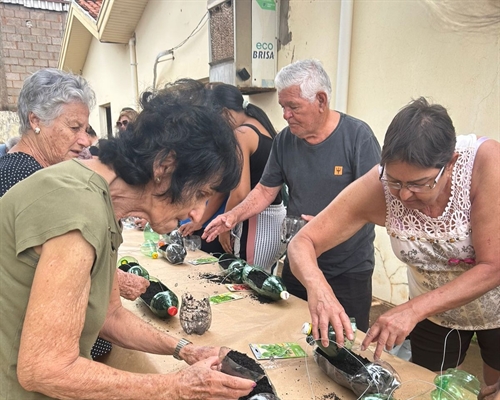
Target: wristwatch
(180,345)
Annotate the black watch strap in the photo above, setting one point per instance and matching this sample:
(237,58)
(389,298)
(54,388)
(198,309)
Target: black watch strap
(180,345)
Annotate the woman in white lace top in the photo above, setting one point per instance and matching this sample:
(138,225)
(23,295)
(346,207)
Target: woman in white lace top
(438,195)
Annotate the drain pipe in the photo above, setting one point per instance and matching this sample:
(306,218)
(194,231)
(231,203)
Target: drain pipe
(133,71)
(344,55)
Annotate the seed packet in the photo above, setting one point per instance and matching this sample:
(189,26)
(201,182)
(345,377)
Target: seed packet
(203,260)
(277,350)
(238,287)
(224,297)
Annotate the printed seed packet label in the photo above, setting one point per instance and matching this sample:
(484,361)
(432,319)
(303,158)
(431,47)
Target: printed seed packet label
(224,297)
(277,350)
(237,287)
(204,260)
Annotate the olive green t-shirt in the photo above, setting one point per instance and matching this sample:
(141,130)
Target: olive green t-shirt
(53,201)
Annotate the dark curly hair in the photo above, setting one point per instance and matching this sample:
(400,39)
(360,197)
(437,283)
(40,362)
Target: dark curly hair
(182,122)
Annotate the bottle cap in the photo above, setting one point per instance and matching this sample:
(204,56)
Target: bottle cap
(284,295)
(306,328)
(172,311)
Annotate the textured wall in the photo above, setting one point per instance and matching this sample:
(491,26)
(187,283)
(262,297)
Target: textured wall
(30,40)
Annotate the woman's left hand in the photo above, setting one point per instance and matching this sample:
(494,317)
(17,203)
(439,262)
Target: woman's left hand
(391,328)
(131,285)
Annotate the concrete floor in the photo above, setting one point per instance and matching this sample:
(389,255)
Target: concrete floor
(472,364)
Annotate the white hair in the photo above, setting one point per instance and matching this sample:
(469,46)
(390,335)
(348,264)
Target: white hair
(309,75)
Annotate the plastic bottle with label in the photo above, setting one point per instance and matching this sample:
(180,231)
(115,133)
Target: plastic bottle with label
(332,350)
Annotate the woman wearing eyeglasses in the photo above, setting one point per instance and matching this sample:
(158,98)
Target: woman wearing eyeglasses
(127,115)
(438,196)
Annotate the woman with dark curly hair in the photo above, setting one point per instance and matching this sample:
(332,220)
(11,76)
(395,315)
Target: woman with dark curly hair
(60,234)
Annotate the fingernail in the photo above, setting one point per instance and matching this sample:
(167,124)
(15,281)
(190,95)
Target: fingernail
(254,384)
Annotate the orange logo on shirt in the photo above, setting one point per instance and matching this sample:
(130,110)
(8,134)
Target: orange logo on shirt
(337,170)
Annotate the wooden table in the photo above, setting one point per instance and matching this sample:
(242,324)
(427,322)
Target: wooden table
(236,324)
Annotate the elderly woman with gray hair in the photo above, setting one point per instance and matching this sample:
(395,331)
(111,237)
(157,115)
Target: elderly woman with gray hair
(53,109)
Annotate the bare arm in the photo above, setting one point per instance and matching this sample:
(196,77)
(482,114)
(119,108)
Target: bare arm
(256,201)
(248,141)
(50,363)
(360,203)
(392,327)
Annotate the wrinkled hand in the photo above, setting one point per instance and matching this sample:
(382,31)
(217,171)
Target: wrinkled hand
(491,392)
(222,223)
(140,223)
(192,353)
(226,242)
(202,381)
(131,285)
(189,227)
(325,309)
(391,328)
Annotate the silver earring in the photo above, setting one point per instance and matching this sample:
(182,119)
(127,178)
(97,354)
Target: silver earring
(37,130)
(158,179)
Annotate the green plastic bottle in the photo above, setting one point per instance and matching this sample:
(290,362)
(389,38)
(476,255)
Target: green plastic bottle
(332,350)
(150,234)
(132,267)
(160,299)
(267,285)
(455,384)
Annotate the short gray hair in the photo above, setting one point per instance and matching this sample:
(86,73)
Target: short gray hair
(309,75)
(46,91)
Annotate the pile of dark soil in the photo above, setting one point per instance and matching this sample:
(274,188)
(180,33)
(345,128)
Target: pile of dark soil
(350,364)
(263,385)
(214,278)
(258,277)
(152,290)
(330,396)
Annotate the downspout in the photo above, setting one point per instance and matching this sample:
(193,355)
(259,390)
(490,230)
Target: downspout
(133,71)
(344,55)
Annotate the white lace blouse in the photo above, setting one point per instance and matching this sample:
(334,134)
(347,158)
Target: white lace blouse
(437,250)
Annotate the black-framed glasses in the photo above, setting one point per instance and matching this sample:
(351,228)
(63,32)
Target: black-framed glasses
(120,123)
(412,187)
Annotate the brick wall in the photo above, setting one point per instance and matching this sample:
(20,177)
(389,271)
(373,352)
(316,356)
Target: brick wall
(30,40)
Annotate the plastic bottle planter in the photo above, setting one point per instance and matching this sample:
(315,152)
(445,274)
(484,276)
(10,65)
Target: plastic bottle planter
(174,253)
(130,265)
(176,237)
(266,285)
(332,351)
(455,384)
(351,370)
(150,234)
(232,267)
(160,299)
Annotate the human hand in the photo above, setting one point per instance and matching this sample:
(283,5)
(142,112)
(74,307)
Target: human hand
(203,381)
(189,227)
(306,217)
(491,392)
(140,223)
(325,309)
(192,353)
(391,328)
(222,223)
(131,285)
(226,242)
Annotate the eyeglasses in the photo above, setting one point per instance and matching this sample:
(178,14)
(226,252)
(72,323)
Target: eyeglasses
(124,123)
(412,187)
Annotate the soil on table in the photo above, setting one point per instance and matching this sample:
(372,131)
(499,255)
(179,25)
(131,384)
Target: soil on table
(214,278)
(152,290)
(263,385)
